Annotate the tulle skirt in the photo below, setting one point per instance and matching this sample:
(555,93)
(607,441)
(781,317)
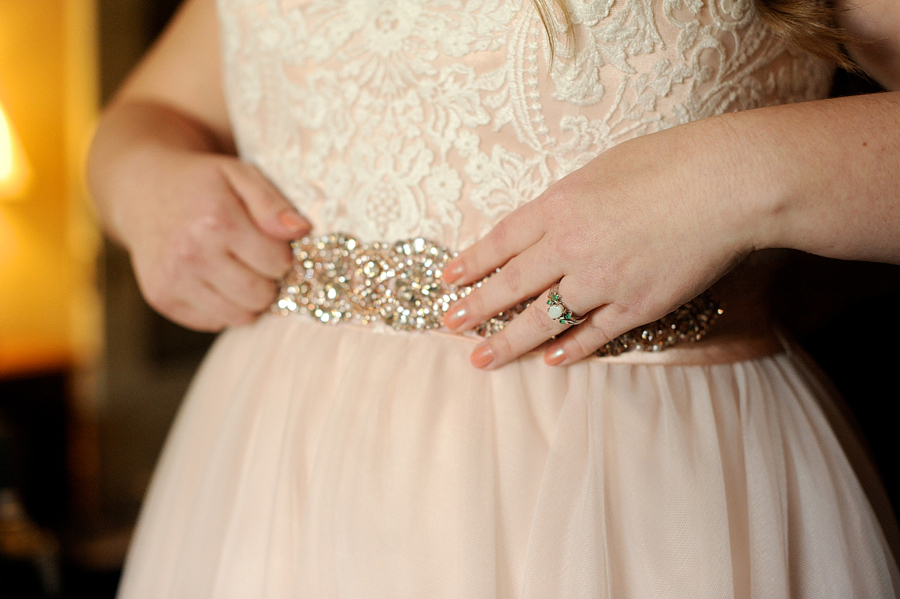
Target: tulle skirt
(316,461)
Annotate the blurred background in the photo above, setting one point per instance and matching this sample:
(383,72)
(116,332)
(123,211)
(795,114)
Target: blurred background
(90,377)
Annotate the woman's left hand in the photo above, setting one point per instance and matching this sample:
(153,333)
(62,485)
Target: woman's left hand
(639,230)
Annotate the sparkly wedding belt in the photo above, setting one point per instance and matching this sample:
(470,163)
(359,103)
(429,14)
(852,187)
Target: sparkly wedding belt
(337,278)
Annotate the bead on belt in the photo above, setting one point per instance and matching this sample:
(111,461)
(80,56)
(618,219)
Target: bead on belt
(337,278)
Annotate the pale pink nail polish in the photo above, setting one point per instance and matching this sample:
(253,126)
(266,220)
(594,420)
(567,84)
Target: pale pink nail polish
(556,357)
(453,271)
(455,319)
(482,356)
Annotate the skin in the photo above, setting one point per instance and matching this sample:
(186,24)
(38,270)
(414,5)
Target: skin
(207,234)
(630,236)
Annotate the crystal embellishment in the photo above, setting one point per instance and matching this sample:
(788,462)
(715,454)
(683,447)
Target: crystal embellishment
(337,278)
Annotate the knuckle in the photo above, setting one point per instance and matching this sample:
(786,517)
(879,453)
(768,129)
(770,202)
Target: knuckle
(512,277)
(185,248)
(573,244)
(216,222)
(192,243)
(555,200)
(500,234)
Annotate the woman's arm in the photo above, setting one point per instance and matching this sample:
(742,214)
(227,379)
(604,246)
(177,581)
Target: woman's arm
(654,221)
(207,233)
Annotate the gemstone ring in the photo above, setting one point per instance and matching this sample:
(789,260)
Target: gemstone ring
(558,310)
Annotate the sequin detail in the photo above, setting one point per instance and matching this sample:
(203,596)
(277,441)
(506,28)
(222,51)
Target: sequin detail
(336,278)
(685,324)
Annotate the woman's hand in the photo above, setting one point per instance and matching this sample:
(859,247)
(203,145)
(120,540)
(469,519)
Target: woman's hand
(641,229)
(207,233)
(211,239)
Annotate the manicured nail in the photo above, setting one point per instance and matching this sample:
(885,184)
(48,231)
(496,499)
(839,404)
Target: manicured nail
(453,320)
(453,271)
(555,358)
(482,356)
(293,221)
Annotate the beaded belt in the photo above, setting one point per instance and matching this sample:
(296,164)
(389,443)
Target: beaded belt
(337,278)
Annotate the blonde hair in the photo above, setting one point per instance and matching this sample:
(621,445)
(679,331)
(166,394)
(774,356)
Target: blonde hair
(808,24)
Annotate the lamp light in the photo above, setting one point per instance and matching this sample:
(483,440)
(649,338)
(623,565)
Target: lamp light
(14,170)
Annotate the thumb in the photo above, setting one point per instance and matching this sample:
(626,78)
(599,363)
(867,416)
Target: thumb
(269,210)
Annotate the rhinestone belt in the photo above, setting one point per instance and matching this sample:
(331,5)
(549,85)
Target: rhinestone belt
(337,278)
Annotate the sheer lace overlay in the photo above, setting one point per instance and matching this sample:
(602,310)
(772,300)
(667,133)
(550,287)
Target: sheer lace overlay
(355,462)
(435,118)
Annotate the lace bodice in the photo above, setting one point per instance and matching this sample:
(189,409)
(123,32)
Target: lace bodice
(398,118)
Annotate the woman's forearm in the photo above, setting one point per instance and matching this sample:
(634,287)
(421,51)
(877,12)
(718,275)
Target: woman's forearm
(172,103)
(824,176)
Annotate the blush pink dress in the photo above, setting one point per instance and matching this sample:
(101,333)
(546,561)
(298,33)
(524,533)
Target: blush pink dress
(357,461)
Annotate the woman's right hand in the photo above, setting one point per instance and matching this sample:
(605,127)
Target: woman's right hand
(208,234)
(211,240)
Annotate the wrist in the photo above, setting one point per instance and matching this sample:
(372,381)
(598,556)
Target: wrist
(762,185)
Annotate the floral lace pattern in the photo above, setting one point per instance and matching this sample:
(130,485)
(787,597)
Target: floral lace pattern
(434,118)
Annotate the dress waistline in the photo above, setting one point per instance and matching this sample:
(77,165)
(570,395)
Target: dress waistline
(337,278)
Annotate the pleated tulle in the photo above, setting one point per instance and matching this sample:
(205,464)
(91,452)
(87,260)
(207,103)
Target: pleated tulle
(340,462)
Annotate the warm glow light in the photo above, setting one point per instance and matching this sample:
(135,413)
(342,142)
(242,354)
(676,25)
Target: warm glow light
(13,165)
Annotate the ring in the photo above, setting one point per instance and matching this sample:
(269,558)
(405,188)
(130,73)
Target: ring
(558,310)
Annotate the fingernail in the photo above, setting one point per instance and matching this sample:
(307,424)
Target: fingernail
(555,358)
(453,271)
(482,356)
(455,319)
(292,220)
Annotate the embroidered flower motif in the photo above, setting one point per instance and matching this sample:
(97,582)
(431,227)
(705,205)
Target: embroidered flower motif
(401,118)
(735,8)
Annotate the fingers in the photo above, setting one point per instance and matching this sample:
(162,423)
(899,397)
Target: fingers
(268,221)
(241,286)
(514,234)
(226,230)
(209,311)
(601,326)
(213,240)
(209,296)
(528,330)
(193,303)
(217,270)
(269,210)
(524,276)
(262,254)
